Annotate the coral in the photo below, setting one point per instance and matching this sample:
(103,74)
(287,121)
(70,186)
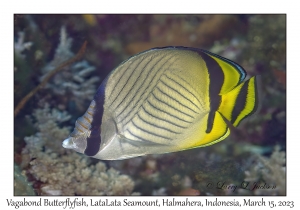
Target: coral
(75,81)
(64,172)
(271,171)
(20,45)
(49,134)
(21,184)
(160,191)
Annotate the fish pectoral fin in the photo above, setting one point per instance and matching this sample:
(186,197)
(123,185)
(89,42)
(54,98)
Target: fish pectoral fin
(138,143)
(120,147)
(218,132)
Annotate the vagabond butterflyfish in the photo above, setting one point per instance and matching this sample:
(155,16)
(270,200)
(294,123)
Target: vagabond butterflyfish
(164,100)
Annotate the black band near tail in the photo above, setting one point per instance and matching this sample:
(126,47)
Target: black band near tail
(210,121)
(216,80)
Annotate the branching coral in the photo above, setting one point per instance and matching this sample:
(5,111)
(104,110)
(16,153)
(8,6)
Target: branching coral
(64,172)
(20,45)
(76,81)
(21,184)
(54,170)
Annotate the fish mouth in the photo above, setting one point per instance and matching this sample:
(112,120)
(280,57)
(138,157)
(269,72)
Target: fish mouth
(77,143)
(69,144)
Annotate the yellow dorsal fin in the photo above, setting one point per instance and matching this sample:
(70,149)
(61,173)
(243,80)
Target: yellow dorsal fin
(233,73)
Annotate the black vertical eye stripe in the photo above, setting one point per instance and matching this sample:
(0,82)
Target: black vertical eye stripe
(94,140)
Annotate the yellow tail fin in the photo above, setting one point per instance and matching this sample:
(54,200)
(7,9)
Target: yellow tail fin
(240,102)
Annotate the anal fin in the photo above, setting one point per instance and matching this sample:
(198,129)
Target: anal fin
(218,131)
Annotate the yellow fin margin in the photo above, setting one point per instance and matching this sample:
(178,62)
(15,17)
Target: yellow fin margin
(218,133)
(231,75)
(251,102)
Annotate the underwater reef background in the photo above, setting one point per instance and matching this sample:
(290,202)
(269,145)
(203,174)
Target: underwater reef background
(253,155)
